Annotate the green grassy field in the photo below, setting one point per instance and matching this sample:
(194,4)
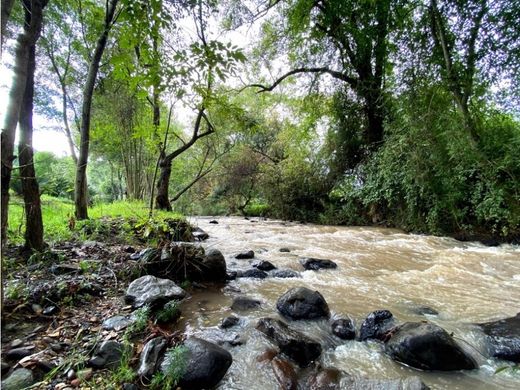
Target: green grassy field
(57,212)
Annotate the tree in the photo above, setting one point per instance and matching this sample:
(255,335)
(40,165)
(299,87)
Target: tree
(80,189)
(25,41)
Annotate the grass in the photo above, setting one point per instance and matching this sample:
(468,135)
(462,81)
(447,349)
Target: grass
(58,217)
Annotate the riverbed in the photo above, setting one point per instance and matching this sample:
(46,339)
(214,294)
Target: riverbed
(413,276)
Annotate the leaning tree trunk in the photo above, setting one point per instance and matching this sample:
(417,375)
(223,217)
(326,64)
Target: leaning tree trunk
(162,201)
(25,40)
(80,189)
(30,188)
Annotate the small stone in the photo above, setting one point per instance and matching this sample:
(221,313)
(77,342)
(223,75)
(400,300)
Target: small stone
(344,329)
(75,382)
(253,273)
(245,303)
(245,255)
(264,265)
(50,310)
(71,374)
(45,366)
(229,322)
(19,353)
(56,347)
(37,309)
(213,221)
(285,273)
(16,343)
(61,386)
(85,374)
(284,250)
(118,323)
(61,269)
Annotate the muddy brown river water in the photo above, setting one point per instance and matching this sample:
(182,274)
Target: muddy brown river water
(465,283)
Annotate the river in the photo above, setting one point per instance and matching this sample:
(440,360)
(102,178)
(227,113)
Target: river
(378,268)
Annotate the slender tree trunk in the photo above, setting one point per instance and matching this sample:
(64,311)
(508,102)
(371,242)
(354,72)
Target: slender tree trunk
(161,200)
(375,123)
(25,40)
(30,188)
(7,6)
(80,190)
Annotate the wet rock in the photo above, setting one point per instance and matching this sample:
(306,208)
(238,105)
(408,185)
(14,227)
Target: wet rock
(324,379)
(245,303)
(231,275)
(376,325)
(20,378)
(264,265)
(199,234)
(16,343)
(284,250)
(424,310)
(108,355)
(150,290)
(245,255)
(310,263)
(253,273)
(503,337)
(285,374)
(220,337)
(344,329)
(50,310)
(19,353)
(285,273)
(118,322)
(426,346)
(300,348)
(214,221)
(301,303)
(150,356)
(213,266)
(410,383)
(229,322)
(61,269)
(207,364)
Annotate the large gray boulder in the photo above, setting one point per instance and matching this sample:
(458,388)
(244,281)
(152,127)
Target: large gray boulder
(376,325)
(297,346)
(150,290)
(503,337)
(206,364)
(301,303)
(426,346)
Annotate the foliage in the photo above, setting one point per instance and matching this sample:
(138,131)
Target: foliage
(177,361)
(170,312)
(141,316)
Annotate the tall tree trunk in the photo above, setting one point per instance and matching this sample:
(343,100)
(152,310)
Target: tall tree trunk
(161,200)
(80,190)
(7,6)
(25,40)
(30,188)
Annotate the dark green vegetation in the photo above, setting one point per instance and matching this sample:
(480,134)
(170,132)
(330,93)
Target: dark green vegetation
(384,112)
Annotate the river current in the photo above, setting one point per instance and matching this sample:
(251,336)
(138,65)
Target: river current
(378,268)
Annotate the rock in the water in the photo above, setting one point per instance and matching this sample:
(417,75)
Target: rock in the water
(424,310)
(410,383)
(245,255)
(220,337)
(118,322)
(300,348)
(19,353)
(376,325)
(285,273)
(426,346)
(310,263)
(284,250)
(301,303)
(206,364)
(199,234)
(21,378)
(253,273)
(264,265)
(150,356)
(213,267)
(324,379)
(245,303)
(267,355)
(108,355)
(344,329)
(285,374)
(150,290)
(231,275)
(214,221)
(503,337)
(229,322)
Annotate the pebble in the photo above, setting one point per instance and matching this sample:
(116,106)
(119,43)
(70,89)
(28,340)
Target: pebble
(71,374)
(37,308)
(16,343)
